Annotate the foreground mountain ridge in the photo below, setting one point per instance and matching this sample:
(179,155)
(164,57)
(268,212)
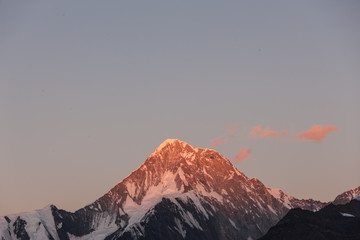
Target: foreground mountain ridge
(178,192)
(333,222)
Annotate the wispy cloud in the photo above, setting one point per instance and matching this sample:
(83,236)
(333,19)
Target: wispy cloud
(218,141)
(242,154)
(231,130)
(224,138)
(316,133)
(258,132)
(255,131)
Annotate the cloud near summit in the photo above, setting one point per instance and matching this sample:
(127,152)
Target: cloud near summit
(218,141)
(242,154)
(316,133)
(231,133)
(258,132)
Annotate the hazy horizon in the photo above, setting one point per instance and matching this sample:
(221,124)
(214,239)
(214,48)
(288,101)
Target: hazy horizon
(89,90)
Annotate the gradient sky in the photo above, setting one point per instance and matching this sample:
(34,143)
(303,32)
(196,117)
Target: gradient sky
(89,89)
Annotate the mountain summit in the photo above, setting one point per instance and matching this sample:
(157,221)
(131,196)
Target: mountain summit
(179,192)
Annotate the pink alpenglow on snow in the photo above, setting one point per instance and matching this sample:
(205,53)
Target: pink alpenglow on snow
(258,132)
(317,133)
(242,154)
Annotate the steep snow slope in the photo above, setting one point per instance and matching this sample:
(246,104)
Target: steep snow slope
(38,224)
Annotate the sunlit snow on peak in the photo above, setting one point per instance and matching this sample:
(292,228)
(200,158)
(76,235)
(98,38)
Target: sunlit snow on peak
(173,142)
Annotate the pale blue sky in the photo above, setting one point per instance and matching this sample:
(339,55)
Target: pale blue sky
(89,89)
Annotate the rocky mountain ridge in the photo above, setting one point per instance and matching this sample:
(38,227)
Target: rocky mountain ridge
(332,222)
(179,192)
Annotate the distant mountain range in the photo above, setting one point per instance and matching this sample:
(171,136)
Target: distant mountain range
(179,192)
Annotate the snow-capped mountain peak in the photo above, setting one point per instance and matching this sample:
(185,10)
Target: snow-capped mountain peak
(347,196)
(176,144)
(176,166)
(179,192)
(31,225)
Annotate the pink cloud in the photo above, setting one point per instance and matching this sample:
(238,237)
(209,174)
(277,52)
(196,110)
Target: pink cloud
(255,132)
(316,133)
(230,134)
(231,130)
(258,132)
(218,141)
(269,133)
(242,154)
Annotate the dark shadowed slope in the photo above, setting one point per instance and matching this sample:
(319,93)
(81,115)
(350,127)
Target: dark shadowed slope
(340,222)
